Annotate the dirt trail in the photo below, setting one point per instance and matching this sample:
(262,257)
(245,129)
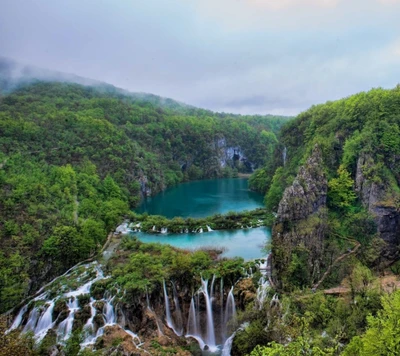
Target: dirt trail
(340,258)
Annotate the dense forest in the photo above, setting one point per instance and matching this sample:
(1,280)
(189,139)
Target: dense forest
(75,159)
(333,186)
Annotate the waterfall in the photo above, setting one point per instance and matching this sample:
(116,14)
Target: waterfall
(226,350)
(168,311)
(164,230)
(212,288)
(201,230)
(18,318)
(40,318)
(230,312)
(179,319)
(284,152)
(89,324)
(193,327)
(209,228)
(262,291)
(32,320)
(65,328)
(210,340)
(45,322)
(108,312)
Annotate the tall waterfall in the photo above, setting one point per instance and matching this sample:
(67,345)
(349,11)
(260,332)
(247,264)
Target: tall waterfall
(209,326)
(169,320)
(210,340)
(284,153)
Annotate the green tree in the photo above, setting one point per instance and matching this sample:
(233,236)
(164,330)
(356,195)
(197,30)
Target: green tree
(340,189)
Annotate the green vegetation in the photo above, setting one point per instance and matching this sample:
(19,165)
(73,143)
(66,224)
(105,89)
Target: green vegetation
(140,268)
(233,220)
(74,159)
(360,147)
(363,124)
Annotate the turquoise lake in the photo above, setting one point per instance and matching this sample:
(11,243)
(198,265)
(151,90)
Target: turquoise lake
(204,198)
(199,199)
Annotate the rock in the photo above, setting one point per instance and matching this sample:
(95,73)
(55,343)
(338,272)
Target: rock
(301,221)
(377,197)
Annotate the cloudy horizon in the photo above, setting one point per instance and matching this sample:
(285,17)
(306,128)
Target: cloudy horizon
(240,56)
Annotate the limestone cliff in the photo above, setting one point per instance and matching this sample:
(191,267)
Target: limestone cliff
(380,200)
(298,233)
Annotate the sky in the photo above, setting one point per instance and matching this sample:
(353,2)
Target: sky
(240,56)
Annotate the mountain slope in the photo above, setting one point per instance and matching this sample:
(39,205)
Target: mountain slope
(74,159)
(359,143)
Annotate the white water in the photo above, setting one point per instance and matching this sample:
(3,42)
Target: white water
(178,312)
(40,318)
(209,229)
(18,319)
(169,320)
(210,340)
(284,153)
(226,350)
(230,310)
(45,322)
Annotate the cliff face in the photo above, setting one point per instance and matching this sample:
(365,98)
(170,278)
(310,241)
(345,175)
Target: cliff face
(298,233)
(380,202)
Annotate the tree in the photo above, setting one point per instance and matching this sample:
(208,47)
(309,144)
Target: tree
(340,189)
(382,337)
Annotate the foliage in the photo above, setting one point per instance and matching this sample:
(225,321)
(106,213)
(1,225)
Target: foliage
(12,344)
(340,189)
(382,336)
(74,159)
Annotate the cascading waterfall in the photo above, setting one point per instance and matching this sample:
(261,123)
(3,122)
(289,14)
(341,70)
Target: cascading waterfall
(45,322)
(209,337)
(40,317)
(209,228)
(18,319)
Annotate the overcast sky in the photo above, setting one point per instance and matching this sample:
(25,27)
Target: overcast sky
(241,56)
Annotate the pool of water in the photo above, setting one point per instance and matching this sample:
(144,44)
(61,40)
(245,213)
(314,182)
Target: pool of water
(246,243)
(203,198)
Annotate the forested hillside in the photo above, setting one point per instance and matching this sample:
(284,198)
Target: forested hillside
(74,159)
(333,186)
(358,141)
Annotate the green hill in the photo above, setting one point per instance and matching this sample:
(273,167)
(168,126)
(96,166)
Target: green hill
(75,159)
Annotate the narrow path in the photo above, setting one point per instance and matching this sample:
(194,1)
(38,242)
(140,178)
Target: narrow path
(340,258)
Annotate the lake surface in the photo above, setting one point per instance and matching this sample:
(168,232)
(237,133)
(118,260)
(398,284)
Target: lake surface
(199,199)
(246,243)
(204,198)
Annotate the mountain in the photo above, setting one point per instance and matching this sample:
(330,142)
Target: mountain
(75,159)
(338,186)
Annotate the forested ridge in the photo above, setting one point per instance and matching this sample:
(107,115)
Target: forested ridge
(75,159)
(333,186)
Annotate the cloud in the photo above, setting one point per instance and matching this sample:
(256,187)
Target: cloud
(247,56)
(281,4)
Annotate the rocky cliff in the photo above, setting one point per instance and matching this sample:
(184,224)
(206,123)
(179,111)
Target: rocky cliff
(298,233)
(378,197)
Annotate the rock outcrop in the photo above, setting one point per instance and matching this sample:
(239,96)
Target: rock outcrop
(377,197)
(300,225)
